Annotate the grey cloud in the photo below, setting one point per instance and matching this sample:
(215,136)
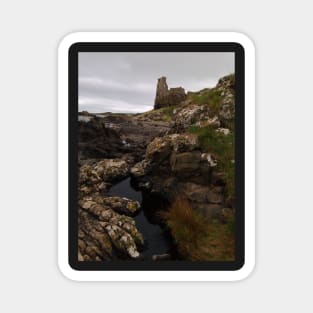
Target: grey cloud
(126,82)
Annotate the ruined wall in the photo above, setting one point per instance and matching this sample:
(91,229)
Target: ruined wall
(167,97)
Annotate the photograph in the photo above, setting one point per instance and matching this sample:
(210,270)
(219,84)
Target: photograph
(156,157)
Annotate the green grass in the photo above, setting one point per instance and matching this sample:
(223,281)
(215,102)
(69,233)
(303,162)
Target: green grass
(168,113)
(210,97)
(223,148)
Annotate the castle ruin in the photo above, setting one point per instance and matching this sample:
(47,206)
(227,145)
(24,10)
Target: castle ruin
(167,97)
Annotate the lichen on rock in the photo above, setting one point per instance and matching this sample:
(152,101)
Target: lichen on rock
(105,232)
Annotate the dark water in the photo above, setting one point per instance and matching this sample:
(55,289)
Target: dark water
(155,239)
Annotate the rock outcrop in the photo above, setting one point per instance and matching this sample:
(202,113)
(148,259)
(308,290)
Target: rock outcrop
(226,89)
(105,234)
(163,152)
(167,97)
(97,175)
(106,230)
(174,165)
(98,140)
(213,107)
(208,107)
(116,135)
(109,144)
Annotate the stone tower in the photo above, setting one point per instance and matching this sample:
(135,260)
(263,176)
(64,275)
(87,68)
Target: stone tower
(166,97)
(161,97)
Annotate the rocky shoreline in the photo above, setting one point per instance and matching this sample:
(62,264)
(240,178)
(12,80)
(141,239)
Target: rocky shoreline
(163,152)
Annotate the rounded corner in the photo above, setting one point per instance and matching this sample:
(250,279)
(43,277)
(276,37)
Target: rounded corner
(244,41)
(68,271)
(69,41)
(244,271)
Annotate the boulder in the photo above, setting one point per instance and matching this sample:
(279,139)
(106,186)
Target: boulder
(140,169)
(97,176)
(186,163)
(159,153)
(122,205)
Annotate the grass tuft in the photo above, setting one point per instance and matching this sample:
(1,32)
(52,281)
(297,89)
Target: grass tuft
(210,97)
(167,113)
(185,223)
(223,148)
(198,239)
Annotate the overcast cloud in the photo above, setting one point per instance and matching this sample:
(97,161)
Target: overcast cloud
(126,82)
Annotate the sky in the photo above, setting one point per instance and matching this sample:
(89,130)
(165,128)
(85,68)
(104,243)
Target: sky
(126,81)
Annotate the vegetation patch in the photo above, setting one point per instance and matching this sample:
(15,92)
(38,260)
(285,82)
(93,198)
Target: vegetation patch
(223,148)
(196,238)
(167,113)
(211,97)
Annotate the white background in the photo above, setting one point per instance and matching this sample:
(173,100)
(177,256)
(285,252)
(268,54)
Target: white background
(30,33)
